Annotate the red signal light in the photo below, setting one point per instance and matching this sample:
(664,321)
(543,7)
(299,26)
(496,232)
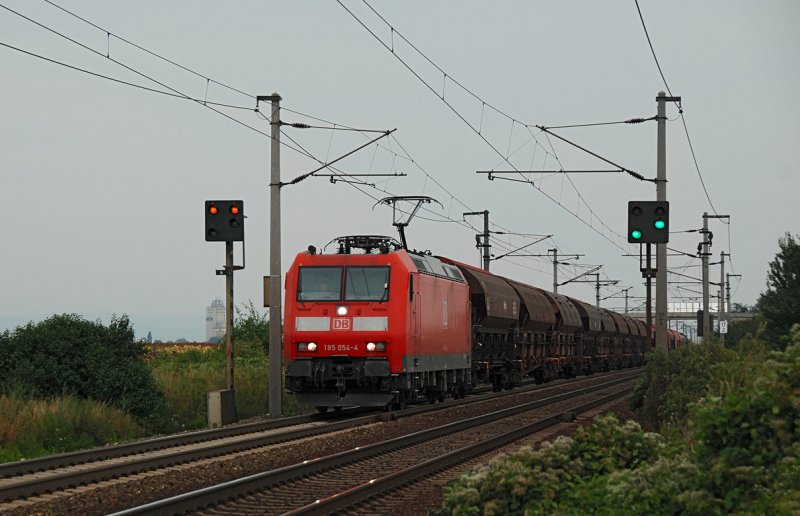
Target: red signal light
(224,220)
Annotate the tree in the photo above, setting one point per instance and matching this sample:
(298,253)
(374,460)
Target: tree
(741,308)
(738,330)
(780,304)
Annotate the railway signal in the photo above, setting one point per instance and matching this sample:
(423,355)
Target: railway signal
(648,222)
(224,221)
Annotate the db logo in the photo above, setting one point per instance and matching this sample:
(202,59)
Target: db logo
(341,323)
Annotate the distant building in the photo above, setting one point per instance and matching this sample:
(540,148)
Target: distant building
(215,320)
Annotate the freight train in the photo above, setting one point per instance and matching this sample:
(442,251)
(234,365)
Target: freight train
(374,324)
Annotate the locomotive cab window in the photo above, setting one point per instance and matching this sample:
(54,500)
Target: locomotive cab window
(319,284)
(367,284)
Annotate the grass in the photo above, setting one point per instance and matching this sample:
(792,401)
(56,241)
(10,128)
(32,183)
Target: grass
(32,428)
(184,373)
(187,373)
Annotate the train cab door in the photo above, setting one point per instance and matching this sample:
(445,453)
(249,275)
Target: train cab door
(416,315)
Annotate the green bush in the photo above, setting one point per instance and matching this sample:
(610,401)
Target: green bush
(748,438)
(67,355)
(673,380)
(569,472)
(738,450)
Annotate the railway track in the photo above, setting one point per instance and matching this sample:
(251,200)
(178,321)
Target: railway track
(48,474)
(414,489)
(63,471)
(340,481)
(24,484)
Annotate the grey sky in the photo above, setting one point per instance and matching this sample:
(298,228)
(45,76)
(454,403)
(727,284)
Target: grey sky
(103,185)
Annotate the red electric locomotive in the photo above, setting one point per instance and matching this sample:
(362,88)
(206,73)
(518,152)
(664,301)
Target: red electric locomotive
(375,328)
(377,325)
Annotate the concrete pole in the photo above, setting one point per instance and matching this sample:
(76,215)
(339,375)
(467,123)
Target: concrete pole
(275,284)
(661,249)
(704,259)
(597,290)
(728,292)
(486,245)
(649,302)
(626,300)
(721,307)
(555,270)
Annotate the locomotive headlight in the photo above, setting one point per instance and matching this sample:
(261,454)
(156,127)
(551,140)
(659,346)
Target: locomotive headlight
(376,346)
(306,346)
(342,310)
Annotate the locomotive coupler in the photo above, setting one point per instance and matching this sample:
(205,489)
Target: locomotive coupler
(341,388)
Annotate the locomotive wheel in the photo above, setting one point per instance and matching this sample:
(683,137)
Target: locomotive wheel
(431,396)
(322,409)
(402,400)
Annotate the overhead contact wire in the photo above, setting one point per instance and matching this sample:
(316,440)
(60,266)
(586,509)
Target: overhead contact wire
(143,49)
(433,90)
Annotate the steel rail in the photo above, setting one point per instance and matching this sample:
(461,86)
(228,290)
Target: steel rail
(12,469)
(97,469)
(201,498)
(39,484)
(27,466)
(376,487)
(22,467)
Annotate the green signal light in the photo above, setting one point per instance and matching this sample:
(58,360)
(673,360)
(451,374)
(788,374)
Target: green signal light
(636,234)
(659,224)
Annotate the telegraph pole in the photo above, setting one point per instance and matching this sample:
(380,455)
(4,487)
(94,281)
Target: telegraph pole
(728,287)
(597,290)
(275,291)
(704,260)
(626,298)
(721,307)
(704,256)
(485,243)
(597,282)
(556,263)
(661,195)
